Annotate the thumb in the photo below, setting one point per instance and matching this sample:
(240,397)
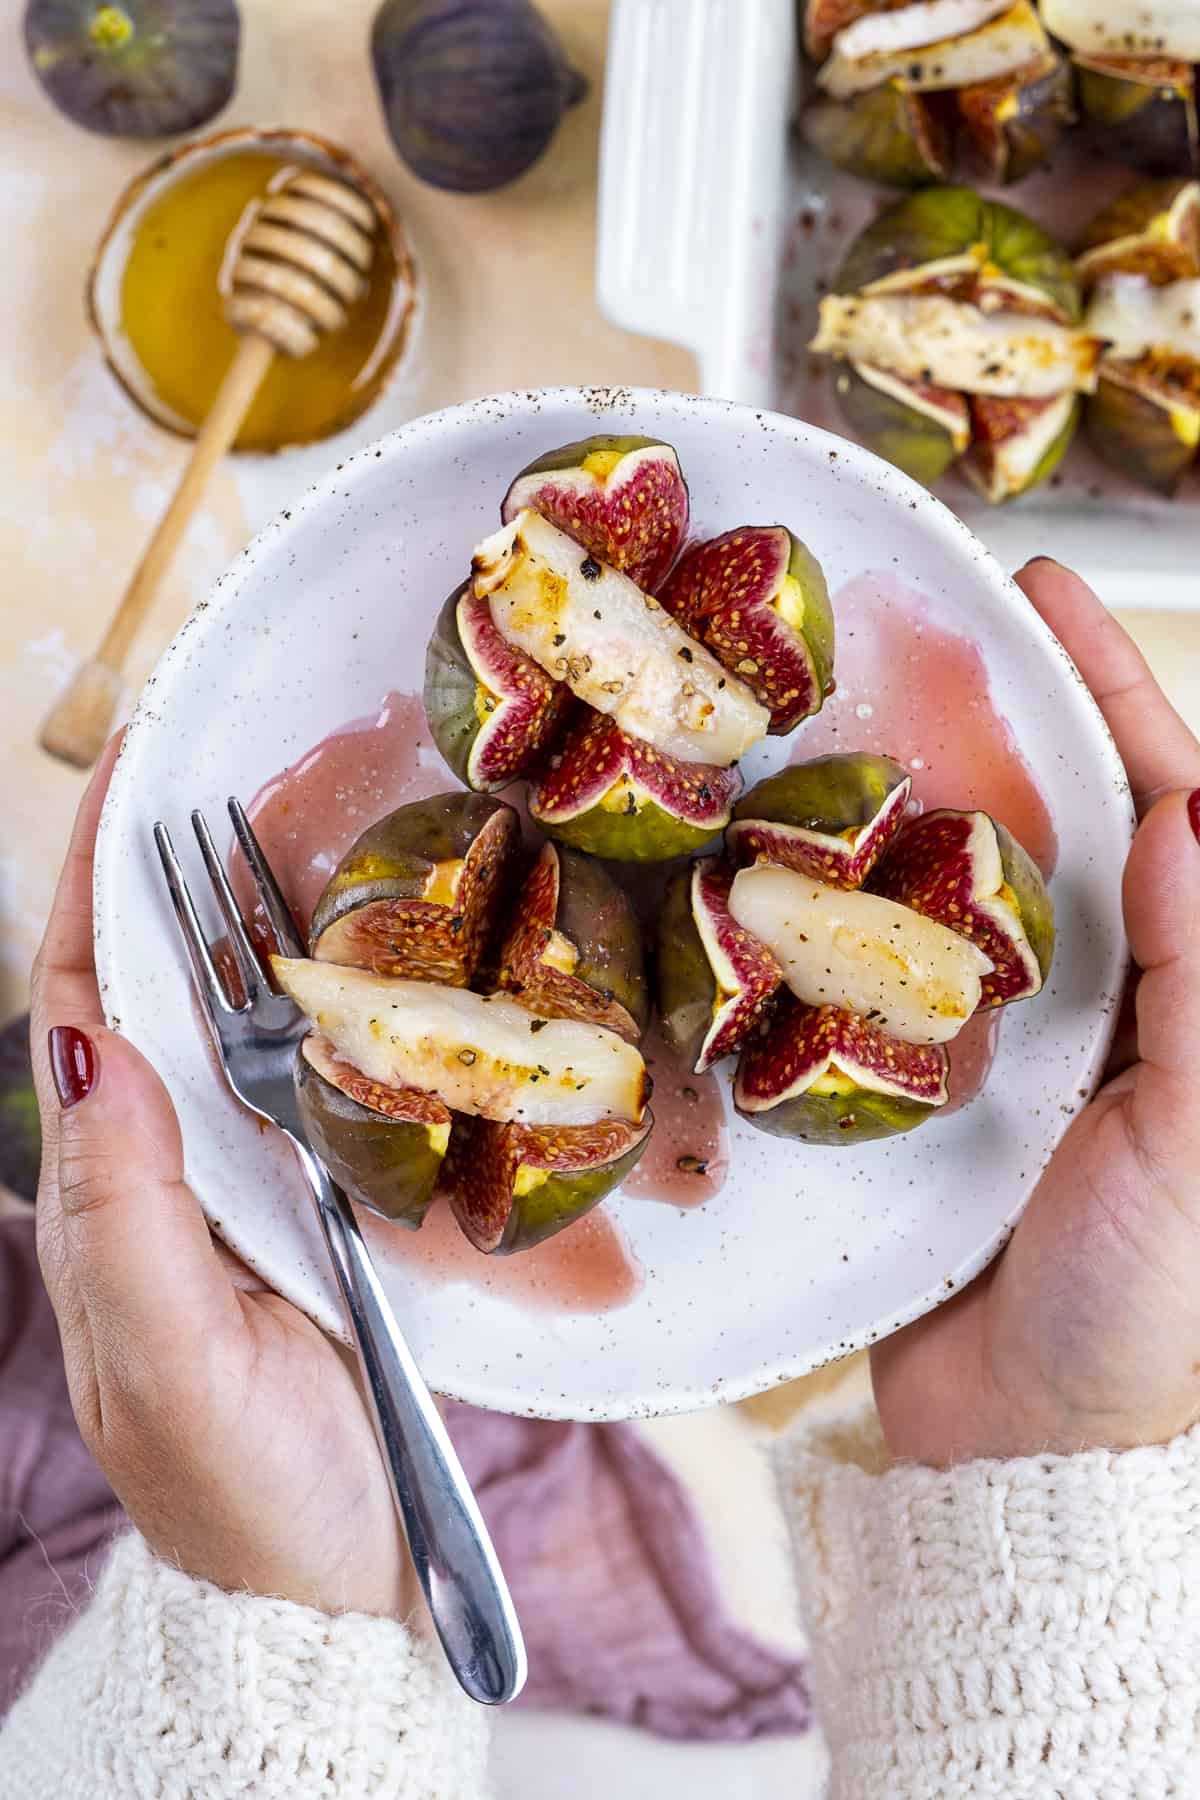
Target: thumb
(1162,918)
(139,1251)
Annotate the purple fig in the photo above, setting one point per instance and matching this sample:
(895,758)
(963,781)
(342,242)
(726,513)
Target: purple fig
(573,949)
(825,1076)
(623,499)
(715,981)
(615,796)
(493,712)
(968,873)
(512,1186)
(383,1145)
(756,597)
(831,818)
(416,895)
(1141,110)
(888,134)
(1015,122)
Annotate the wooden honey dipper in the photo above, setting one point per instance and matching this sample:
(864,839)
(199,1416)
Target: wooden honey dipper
(297,260)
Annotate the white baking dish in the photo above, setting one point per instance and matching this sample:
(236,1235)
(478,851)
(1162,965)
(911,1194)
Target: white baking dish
(715,230)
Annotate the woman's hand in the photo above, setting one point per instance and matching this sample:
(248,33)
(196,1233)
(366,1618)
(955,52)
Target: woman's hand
(229,1427)
(1086,1332)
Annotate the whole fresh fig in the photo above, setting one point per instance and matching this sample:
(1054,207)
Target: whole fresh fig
(472,90)
(138,69)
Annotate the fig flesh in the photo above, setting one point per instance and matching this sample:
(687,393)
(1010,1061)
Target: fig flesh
(493,712)
(1153,232)
(614,646)
(757,598)
(862,953)
(512,1186)
(383,1145)
(715,980)
(573,948)
(615,796)
(623,499)
(415,895)
(831,818)
(825,1076)
(1016,444)
(970,874)
(1014,123)
(137,69)
(487,1056)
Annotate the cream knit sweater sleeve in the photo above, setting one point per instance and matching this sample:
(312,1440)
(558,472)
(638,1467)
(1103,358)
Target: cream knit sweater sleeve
(166,1688)
(1019,1629)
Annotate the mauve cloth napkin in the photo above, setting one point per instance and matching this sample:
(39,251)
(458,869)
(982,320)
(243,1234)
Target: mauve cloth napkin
(600,1542)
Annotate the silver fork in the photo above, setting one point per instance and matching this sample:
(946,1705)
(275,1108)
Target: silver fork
(257,1036)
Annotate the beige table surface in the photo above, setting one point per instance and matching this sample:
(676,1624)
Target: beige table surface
(508,301)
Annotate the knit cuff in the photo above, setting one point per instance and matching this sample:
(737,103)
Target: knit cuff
(167,1685)
(1020,1628)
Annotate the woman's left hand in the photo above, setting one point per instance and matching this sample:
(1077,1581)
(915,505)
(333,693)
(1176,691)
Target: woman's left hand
(229,1426)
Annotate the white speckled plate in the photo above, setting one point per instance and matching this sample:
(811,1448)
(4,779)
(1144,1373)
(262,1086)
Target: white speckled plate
(806,1253)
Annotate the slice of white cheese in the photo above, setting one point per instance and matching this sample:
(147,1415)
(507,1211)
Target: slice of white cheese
(995,47)
(911,27)
(591,627)
(907,974)
(948,343)
(1135,318)
(489,1057)
(1155,28)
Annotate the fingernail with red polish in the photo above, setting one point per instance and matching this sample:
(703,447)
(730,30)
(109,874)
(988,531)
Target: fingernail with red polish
(72,1064)
(1194,812)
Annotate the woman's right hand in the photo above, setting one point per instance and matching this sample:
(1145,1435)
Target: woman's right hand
(1086,1332)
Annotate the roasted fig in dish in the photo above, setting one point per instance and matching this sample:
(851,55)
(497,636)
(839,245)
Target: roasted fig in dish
(1142,262)
(1136,77)
(956,324)
(415,1085)
(756,597)
(842,1000)
(624,683)
(904,92)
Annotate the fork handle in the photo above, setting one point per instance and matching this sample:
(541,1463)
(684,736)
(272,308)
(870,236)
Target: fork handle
(455,1560)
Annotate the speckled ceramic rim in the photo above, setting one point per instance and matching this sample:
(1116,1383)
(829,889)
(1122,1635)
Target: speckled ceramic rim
(104,280)
(650,1399)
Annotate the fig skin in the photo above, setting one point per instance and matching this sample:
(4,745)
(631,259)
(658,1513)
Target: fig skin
(687,990)
(887,134)
(904,436)
(828,796)
(839,1121)
(138,69)
(570,903)
(617,807)
(490,735)
(943,222)
(1141,429)
(1141,112)
(472,91)
(386,1164)
(374,914)
(643,539)
(499,1201)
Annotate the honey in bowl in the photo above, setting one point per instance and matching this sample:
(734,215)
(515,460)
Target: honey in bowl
(171,311)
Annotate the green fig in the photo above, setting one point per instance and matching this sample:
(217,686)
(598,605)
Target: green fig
(888,134)
(382,1145)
